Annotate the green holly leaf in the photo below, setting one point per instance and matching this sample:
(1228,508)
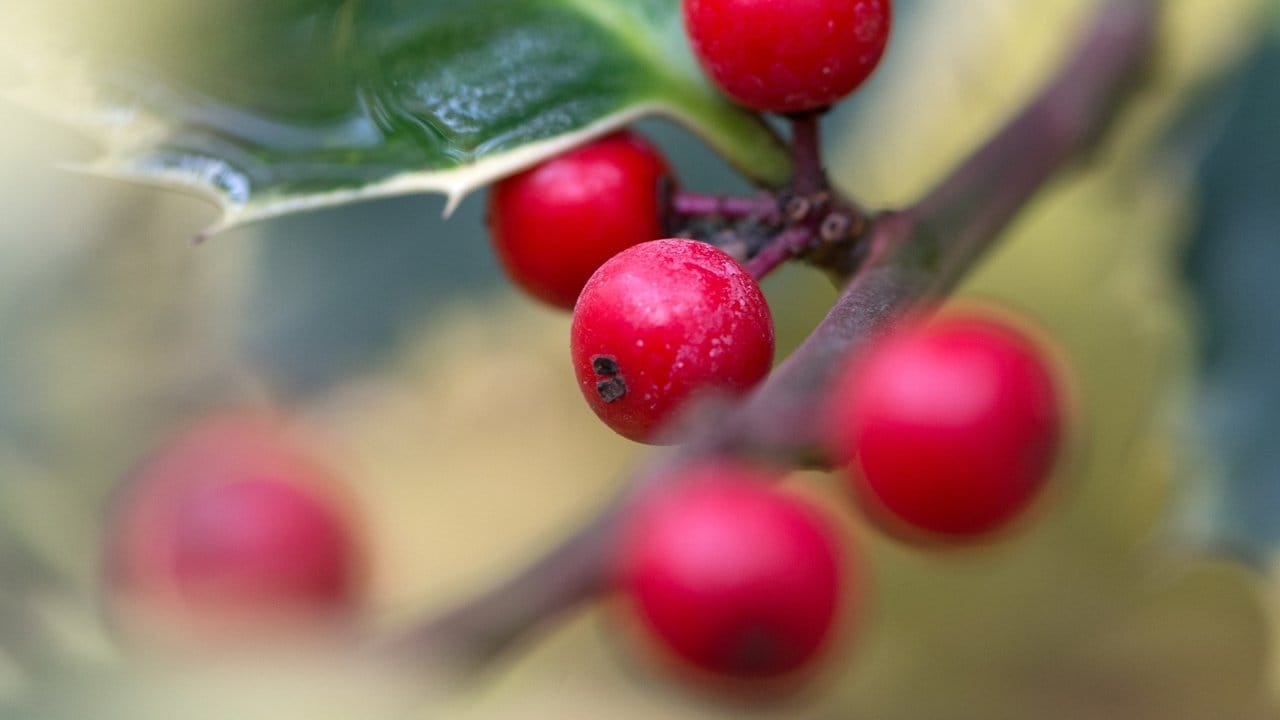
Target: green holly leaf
(276,107)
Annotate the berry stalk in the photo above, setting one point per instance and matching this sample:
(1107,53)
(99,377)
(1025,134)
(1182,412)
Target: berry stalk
(808,175)
(786,245)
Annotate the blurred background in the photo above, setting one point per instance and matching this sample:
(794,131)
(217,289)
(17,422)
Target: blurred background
(445,402)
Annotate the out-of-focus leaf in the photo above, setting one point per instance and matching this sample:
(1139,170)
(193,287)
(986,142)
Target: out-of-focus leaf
(109,331)
(1232,265)
(276,107)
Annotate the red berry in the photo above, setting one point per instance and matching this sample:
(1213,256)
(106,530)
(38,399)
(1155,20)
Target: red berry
(731,575)
(554,224)
(788,56)
(662,322)
(227,528)
(953,425)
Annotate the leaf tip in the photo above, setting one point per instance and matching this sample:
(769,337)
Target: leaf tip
(452,200)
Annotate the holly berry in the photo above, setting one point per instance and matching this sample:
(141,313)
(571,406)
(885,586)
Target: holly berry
(788,56)
(664,321)
(731,575)
(227,529)
(952,426)
(554,224)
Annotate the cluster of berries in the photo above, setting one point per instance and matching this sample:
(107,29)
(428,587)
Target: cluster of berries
(949,428)
(657,321)
(949,431)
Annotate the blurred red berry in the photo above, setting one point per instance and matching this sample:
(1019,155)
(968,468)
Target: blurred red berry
(229,528)
(951,427)
(732,576)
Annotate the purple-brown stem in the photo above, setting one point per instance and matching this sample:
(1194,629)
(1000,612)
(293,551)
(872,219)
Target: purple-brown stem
(807,175)
(915,256)
(810,199)
(761,205)
(784,246)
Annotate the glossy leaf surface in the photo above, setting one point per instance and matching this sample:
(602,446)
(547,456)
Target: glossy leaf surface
(282,106)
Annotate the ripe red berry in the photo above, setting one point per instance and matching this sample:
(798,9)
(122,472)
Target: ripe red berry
(662,322)
(952,426)
(554,224)
(731,575)
(788,55)
(227,530)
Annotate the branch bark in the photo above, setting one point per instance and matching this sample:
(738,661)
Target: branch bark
(916,256)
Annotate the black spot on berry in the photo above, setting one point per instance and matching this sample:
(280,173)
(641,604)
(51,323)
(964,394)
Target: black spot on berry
(611,390)
(605,365)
